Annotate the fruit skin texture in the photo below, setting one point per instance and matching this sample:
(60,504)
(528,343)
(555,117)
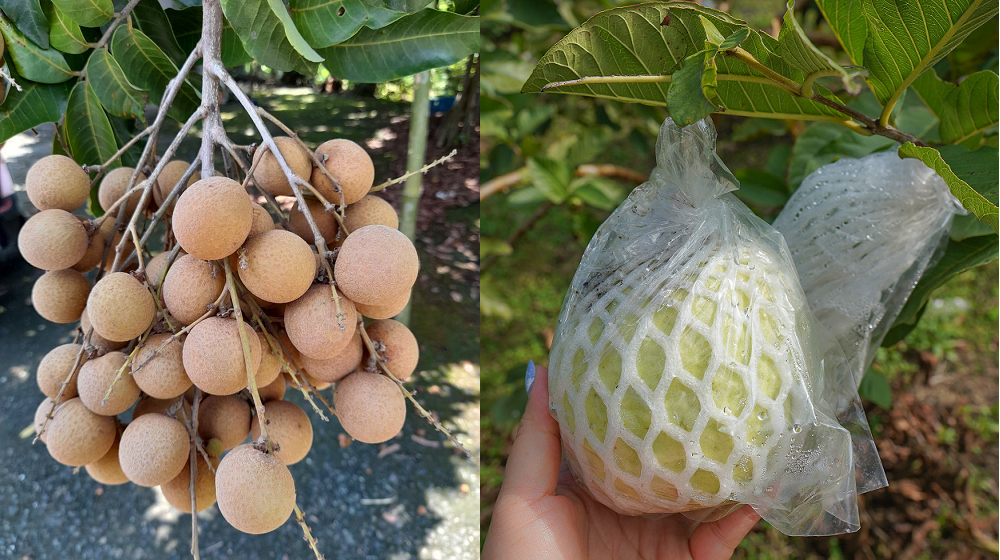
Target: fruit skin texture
(275,391)
(213,356)
(350,165)
(262,221)
(178,490)
(60,295)
(155,266)
(153,449)
(278,266)
(401,349)
(120,308)
(256,492)
(57,182)
(226,419)
(336,368)
(95,250)
(114,185)
(289,427)
(95,338)
(325,222)
(387,310)
(76,436)
(268,173)
(376,263)
(52,240)
(96,376)
(311,323)
(370,211)
(212,218)
(190,286)
(270,365)
(370,407)
(108,470)
(54,368)
(149,405)
(40,413)
(169,175)
(162,375)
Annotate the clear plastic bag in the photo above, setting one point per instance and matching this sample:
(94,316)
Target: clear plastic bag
(688,374)
(862,232)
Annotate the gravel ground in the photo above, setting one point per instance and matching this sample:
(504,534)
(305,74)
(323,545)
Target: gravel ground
(421,501)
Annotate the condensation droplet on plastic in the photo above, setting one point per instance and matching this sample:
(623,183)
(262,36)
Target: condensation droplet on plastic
(796,428)
(762,416)
(727,410)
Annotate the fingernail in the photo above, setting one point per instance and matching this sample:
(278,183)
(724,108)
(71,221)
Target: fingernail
(529,377)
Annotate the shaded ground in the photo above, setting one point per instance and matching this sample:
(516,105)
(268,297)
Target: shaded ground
(419,501)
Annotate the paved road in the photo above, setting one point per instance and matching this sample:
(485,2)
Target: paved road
(409,504)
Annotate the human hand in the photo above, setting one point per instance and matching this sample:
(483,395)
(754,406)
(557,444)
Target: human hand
(542,512)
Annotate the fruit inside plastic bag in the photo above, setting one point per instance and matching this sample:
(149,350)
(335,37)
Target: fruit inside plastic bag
(688,374)
(862,232)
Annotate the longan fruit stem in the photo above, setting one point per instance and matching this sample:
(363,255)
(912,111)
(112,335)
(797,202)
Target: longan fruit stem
(300,518)
(406,176)
(77,363)
(211,311)
(128,362)
(192,425)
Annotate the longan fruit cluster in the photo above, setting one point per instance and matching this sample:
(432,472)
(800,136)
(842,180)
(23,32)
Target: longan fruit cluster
(155,339)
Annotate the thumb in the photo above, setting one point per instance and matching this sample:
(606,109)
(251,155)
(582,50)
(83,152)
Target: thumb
(533,465)
(717,540)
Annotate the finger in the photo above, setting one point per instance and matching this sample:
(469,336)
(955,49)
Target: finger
(717,540)
(533,465)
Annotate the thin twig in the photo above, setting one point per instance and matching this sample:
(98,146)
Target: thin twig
(300,518)
(115,22)
(406,176)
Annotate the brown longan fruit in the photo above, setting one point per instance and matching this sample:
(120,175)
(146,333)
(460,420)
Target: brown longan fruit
(153,449)
(226,419)
(95,338)
(155,268)
(54,368)
(270,364)
(52,240)
(119,307)
(325,222)
(114,185)
(278,266)
(375,264)
(168,178)
(149,405)
(350,165)
(191,286)
(370,406)
(178,490)
(316,383)
(387,309)
(256,492)
(212,218)
(40,413)
(401,349)
(289,427)
(96,376)
(76,436)
(57,181)
(334,369)
(108,469)
(213,355)
(370,211)
(60,295)
(275,391)
(312,325)
(95,249)
(262,221)
(268,174)
(161,375)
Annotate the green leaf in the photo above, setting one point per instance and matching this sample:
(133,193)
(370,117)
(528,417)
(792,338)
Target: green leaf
(761,188)
(971,176)
(118,96)
(324,22)
(187,27)
(492,303)
(964,227)
(551,177)
(33,62)
(88,132)
(88,13)
(488,246)
(629,54)
(29,18)
(264,35)
(292,33)
(420,41)
(965,110)
(527,196)
(465,6)
(35,104)
(796,49)
(906,37)
(875,388)
(65,34)
(151,19)
(599,192)
(124,131)
(693,90)
(847,19)
(150,70)
(233,53)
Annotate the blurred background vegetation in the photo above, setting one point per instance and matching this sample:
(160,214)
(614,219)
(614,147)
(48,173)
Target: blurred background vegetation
(554,166)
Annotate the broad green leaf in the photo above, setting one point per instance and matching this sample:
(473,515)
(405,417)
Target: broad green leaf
(124,131)
(151,19)
(465,6)
(292,32)
(31,61)
(488,246)
(629,54)
(964,227)
(29,18)
(58,136)
(414,43)
(795,48)
(761,188)
(906,37)
(325,22)
(965,110)
(527,196)
(65,34)
(88,13)
(492,302)
(599,192)
(35,104)
(847,19)
(971,176)
(875,388)
(88,132)
(550,177)
(233,53)
(187,27)
(693,91)
(150,70)
(117,95)
(263,35)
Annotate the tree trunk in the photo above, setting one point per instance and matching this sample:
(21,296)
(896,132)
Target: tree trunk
(415,152)
(450,132)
